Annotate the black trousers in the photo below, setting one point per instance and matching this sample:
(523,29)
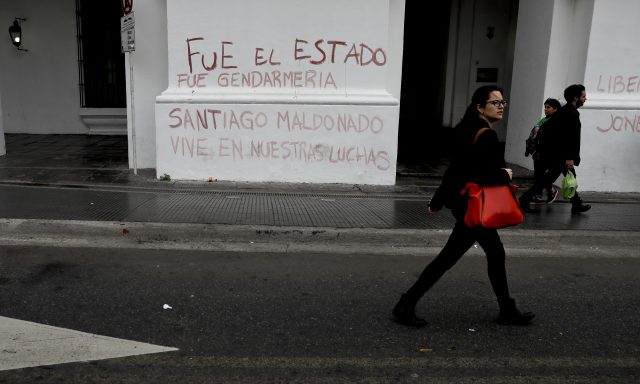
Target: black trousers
(539,171)
(553,170)
(461,239)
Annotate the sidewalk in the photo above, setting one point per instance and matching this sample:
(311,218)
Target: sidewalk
(83,161)
(76,179)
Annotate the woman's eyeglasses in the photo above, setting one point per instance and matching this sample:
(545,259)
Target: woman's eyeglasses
(495,103)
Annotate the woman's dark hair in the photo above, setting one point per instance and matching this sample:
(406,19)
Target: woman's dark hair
(553,103)
(480,96)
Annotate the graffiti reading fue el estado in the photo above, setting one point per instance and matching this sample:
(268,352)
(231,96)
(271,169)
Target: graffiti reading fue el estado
(202,60)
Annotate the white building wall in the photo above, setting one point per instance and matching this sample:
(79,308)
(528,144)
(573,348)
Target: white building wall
(530,71)
(271,107)
(611,115)
(40,87)
(591,43)
(588,41)
(148,63)
(395,51)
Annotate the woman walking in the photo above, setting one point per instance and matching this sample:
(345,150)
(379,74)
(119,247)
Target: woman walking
(478,159)
(532,147)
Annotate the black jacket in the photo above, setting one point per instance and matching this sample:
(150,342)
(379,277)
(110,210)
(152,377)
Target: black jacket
(481,163)
(562,136)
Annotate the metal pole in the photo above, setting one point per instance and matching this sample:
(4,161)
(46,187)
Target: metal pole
(133,116)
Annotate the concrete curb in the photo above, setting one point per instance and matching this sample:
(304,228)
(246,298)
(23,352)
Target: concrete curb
(265,239)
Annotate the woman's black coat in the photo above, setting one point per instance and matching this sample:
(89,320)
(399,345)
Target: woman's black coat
(482,163)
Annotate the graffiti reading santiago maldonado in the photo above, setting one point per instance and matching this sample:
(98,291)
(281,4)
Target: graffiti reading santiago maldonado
(214,130)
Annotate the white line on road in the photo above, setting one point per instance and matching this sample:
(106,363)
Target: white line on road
(26,344)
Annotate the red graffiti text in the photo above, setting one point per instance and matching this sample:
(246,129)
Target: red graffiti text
(622,124)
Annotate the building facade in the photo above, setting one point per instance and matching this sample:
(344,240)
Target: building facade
(327,92)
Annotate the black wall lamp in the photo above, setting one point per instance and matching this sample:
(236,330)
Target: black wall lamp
(15,32)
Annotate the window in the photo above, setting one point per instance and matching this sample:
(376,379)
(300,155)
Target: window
(100,61)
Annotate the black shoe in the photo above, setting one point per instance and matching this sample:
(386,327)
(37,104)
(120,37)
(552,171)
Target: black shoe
(509,315)
(404,313)
(580,208)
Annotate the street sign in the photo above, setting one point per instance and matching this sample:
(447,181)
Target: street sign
(127,33)
(128,40)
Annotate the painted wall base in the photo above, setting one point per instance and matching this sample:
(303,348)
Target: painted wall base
(277,143)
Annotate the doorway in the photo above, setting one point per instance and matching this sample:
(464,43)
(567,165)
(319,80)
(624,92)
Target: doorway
(421,137)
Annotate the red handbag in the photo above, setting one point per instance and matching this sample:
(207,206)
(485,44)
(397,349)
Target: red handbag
(492,206)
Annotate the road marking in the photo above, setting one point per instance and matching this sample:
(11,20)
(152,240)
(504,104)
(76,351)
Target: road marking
(425,361)
(26,344)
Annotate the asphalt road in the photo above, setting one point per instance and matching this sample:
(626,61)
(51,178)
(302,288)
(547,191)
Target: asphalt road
(257,317)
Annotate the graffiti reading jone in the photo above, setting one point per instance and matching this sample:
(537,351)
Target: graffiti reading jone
(620,123)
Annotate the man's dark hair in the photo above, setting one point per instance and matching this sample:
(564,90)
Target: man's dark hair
(572,91)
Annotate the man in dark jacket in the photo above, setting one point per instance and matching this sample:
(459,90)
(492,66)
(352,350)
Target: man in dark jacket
(561,147)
